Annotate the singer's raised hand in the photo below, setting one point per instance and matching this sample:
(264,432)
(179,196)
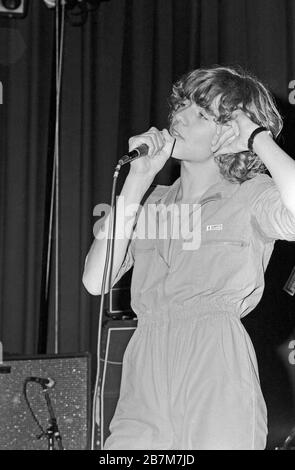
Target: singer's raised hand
(160,144)
(233,136)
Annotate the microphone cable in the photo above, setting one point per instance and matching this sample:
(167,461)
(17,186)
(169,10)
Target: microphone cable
(97,411)
(43,432)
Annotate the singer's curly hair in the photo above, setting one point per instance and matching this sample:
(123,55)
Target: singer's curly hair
(237,89)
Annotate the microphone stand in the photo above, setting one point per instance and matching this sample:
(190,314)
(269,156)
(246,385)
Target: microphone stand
(288,441)
(52,432)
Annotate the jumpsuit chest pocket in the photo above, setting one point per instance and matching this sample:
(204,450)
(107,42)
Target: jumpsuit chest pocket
(144,255)
(225,235)
(144,245)
(144,266)
(224,242)
(220,264)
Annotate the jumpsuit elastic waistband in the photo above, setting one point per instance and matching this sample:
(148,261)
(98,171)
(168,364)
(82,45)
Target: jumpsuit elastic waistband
(176,316)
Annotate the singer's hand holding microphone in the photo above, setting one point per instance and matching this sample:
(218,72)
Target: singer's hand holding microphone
(159,146)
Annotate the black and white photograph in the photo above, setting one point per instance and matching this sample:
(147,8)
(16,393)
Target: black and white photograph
(147,228)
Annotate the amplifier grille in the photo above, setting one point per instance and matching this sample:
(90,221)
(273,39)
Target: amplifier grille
(70,398)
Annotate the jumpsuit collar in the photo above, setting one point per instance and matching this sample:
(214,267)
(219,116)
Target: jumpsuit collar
(217,191)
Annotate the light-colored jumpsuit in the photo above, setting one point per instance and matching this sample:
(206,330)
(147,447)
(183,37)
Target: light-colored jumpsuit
(190,377)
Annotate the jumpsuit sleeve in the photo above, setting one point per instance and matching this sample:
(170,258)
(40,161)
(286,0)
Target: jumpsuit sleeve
(127,262)
(275,221)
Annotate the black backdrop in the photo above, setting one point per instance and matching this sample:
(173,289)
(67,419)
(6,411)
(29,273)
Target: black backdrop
(118,71)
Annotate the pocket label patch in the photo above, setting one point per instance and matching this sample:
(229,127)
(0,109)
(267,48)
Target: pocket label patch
(210,228)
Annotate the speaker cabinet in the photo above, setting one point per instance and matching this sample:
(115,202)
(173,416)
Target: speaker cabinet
(15,8)
(69,397)
(115,337)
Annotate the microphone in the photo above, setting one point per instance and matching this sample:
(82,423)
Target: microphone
(45,383)
(138,152)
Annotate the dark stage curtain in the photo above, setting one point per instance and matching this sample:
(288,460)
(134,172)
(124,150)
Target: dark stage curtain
(26,54)
(118,71)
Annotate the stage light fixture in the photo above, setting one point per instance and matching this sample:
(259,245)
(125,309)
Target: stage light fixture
(77,11)
(13,8)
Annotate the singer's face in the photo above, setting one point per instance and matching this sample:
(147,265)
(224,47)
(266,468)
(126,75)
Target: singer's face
(193,129)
